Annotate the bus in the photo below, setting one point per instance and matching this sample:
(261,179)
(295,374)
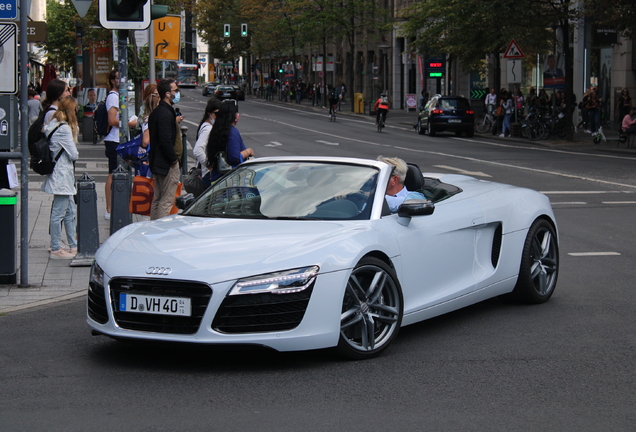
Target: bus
(187,75)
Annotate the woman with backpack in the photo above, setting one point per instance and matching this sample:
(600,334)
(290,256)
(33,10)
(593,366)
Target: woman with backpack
(55,92)
(203,132)
(64,129)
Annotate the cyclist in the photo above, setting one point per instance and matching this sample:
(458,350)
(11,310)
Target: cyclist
(334,98)
(381,107)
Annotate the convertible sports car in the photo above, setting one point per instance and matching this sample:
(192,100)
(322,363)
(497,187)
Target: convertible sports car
(299,253)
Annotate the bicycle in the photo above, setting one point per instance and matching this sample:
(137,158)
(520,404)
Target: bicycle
(334,110)
(484,123)
(599,136)
(381,121)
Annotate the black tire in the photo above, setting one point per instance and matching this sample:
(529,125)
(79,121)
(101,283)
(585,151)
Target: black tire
(470,133)
(430,130)
(539,268)
(597,139)
(482,124)
(458,133)
(372,310)
(419,128)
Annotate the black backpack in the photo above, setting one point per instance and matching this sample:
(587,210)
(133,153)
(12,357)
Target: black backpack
(35,130)
(42,161)
(101,118)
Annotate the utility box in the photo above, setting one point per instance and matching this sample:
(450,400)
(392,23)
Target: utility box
(358,103)
(8,122)
(8,240)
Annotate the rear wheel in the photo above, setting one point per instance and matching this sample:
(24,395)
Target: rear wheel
(539,264)
(372,310)
(419,128)
(431,131)
(482,124)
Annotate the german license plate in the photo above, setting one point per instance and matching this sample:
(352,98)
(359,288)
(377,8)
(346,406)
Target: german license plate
(158,305)
(454,121)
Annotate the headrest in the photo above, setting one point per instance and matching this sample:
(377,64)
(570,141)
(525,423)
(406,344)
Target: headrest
(414,180)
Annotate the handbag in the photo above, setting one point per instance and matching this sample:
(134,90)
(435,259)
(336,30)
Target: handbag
(221,165)
(499,111)
(192,182)
(142,194)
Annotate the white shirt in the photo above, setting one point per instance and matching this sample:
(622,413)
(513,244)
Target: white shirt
(394,201)
(202,144)
(112,100)
(491,98)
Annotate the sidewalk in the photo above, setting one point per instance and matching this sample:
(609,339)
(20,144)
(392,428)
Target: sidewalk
(54,280)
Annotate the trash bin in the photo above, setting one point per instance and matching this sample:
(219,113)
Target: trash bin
(87,127)
(358,103)
(8,240)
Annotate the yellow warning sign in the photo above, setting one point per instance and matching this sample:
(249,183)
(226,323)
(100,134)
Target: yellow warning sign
(167,37)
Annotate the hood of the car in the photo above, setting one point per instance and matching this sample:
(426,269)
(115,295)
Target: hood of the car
(217,249)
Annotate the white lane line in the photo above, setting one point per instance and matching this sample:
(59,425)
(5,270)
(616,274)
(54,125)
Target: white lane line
(571,176)
(462,171)
(328,143)
(581,192)
(594,253)
(190,122)
(618,202)
(569,203)
(273,144)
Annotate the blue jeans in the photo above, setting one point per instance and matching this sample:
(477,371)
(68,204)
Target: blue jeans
(595,119)
(62,211)
(506,124)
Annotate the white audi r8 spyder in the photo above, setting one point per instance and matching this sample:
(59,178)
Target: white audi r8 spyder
(300,253)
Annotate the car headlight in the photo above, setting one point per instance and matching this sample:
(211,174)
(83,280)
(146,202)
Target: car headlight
(97,275)
(284,282)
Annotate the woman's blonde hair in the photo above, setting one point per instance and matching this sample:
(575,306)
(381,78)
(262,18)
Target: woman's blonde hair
(66,112)
(149,101)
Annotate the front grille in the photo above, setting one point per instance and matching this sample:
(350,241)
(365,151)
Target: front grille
(496,246)
(265,312)
(96,303)
(199,293)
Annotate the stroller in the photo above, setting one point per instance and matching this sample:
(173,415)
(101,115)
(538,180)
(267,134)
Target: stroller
(135,155)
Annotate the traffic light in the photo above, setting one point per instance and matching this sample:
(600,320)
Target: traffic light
(226,30)
(129,14)
(280,68)
(244,30)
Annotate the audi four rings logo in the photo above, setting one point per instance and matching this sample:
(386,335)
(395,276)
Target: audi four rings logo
(159,271)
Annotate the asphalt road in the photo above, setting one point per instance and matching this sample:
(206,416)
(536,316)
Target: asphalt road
(567,365)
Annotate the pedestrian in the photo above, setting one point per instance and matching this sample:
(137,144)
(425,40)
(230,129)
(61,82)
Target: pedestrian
(203,132)
(225,137)
(34,107)
(111,140)
(508,109)
(623,105)
(343,91)
(519,103)
(500,113)
(490,101)
(593,110)
(151,100)
(585,118)
(61,182)
(543,101)
(164,161)
(423,99)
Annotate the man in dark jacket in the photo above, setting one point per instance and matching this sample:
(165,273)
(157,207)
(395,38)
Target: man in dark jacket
(164,162)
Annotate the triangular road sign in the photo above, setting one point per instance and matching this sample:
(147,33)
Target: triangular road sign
(82,6)
(513,51)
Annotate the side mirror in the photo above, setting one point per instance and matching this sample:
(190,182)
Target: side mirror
(414,207)
(183,202)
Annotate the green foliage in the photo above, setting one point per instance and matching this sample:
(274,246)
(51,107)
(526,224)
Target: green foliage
(614,14)
(60,44)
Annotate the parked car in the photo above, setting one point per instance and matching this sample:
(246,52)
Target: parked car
(301,253)
(225,92)
(208,88)
(240,93)
(447,114)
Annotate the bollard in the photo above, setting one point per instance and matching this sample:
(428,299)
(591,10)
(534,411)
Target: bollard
(184,157)
(120,200)
(87,228)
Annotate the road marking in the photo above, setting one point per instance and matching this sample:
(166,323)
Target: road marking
(618,202)
(593,253)
(273,144)
(581,192)
(327,142)
(190,122)
(462,171)
(569,203)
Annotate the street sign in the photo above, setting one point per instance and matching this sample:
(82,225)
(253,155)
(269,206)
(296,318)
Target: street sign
(514,71)
(8,57)
(36,31)
(167,37)
(513,51)
(8,10)
(477,94)
(82,6)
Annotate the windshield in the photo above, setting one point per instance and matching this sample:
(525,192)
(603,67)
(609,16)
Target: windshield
(291,190)
(187,75)
(454,104)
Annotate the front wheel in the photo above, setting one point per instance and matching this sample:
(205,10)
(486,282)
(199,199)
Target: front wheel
(431,131)
(539,264)
(482,124)
(372,310)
